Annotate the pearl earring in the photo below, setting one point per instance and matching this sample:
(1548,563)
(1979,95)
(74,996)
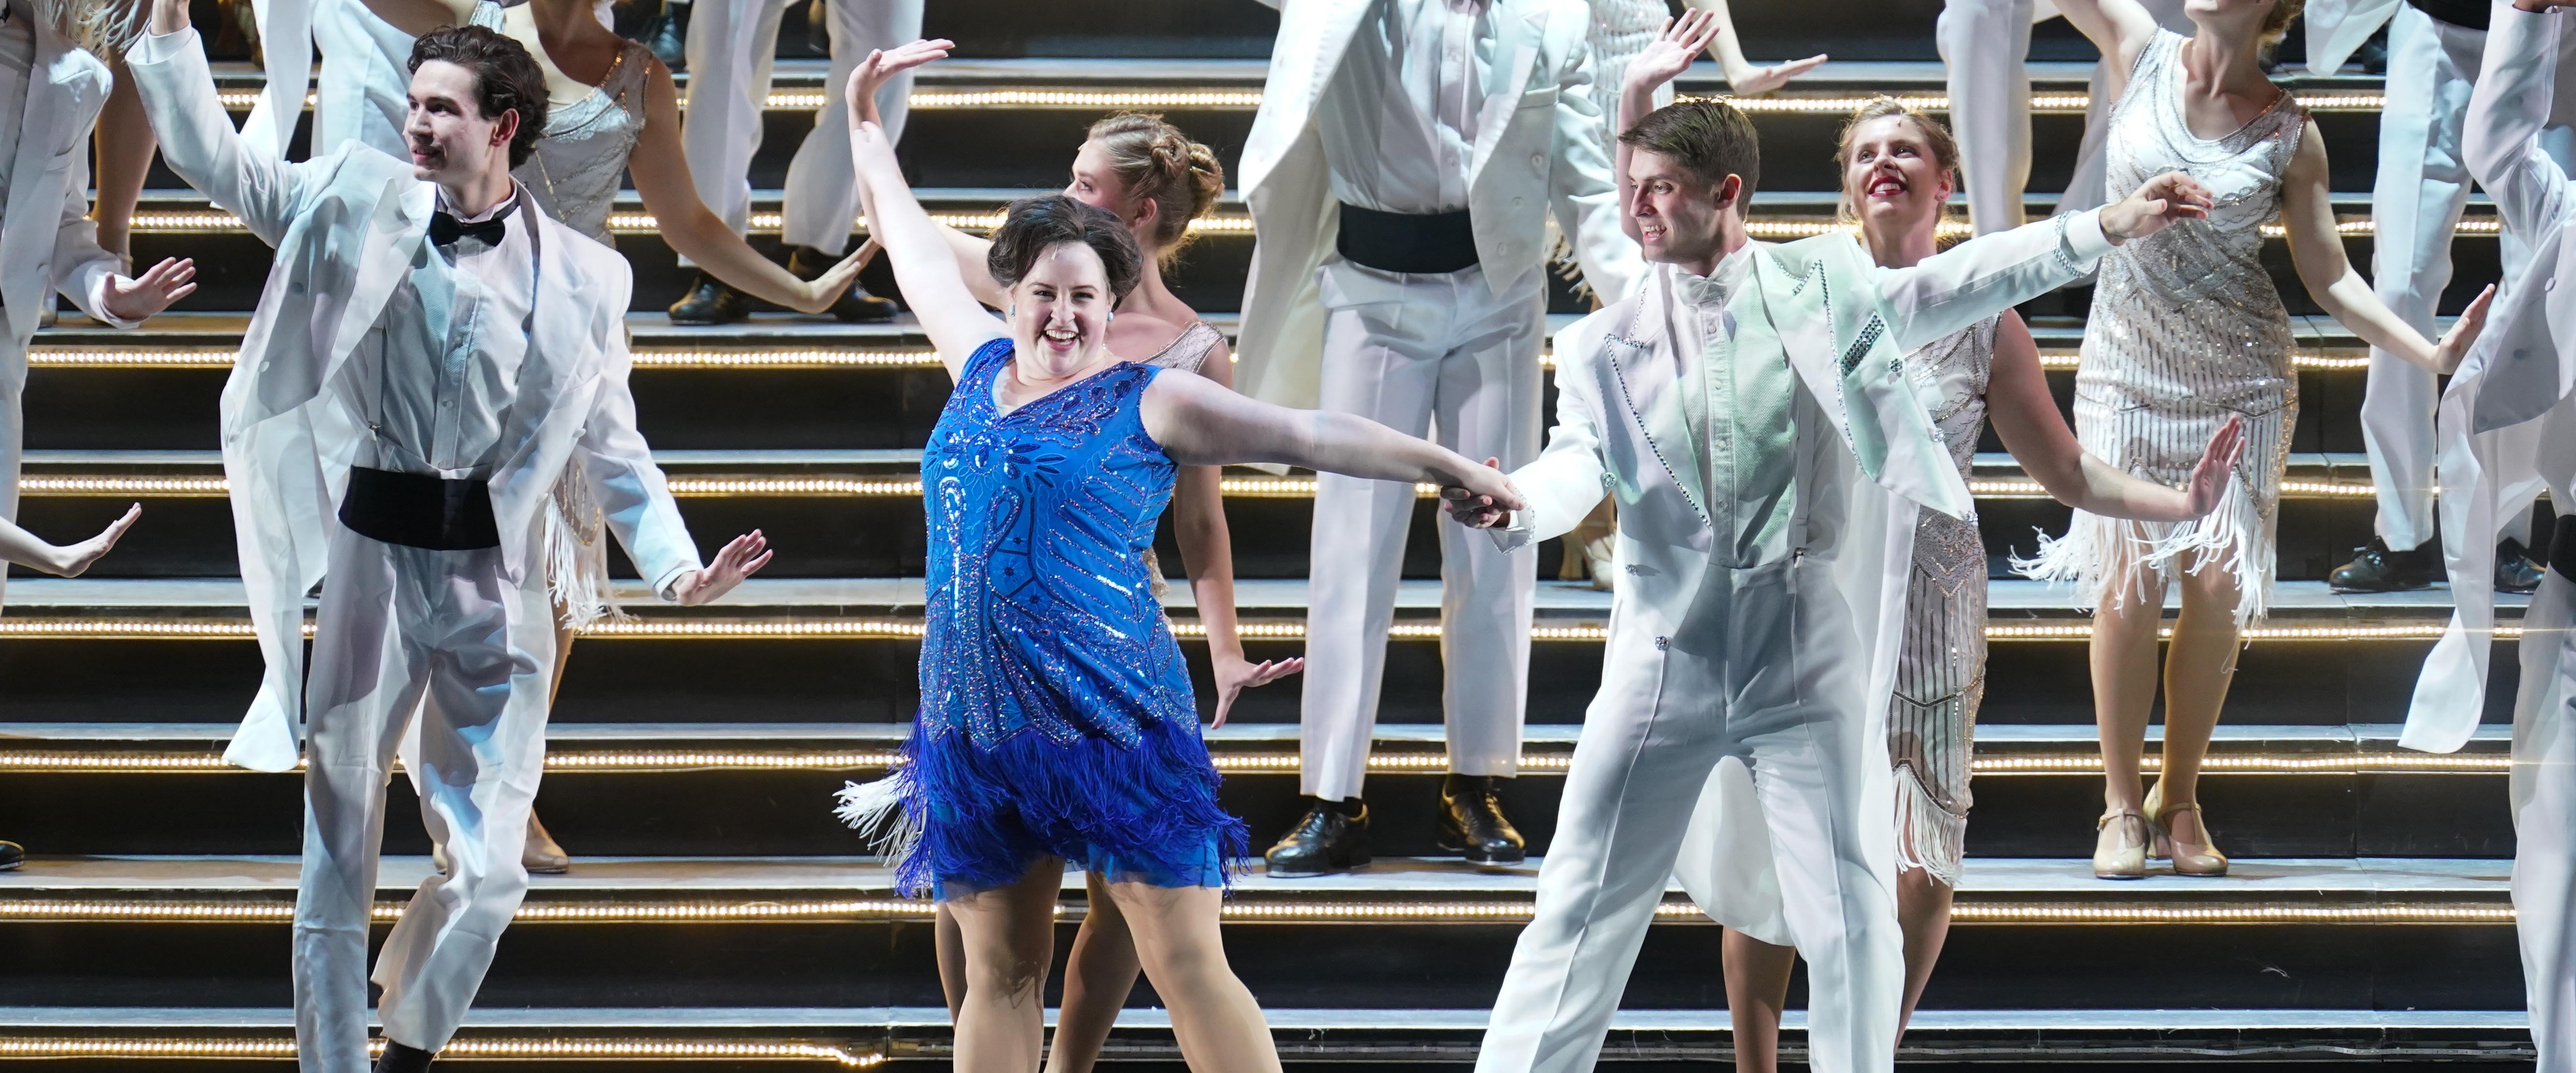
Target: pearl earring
(1011,310)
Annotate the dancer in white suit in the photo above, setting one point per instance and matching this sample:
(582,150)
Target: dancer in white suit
(1400,175)
(2513,403)
(430,354)
(732,46)
(2423,182)
(1747,409)
(1985,45)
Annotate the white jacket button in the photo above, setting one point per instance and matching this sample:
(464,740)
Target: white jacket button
(1662,643)
(1635,570)
(1538,161)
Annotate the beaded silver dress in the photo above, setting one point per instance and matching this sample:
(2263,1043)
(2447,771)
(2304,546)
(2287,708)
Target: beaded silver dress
(1186,352)
(2186,330)
(1941,664)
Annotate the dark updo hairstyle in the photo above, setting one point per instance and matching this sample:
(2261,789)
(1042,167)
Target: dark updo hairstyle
(1156,162)
(506,78)
(1033,225)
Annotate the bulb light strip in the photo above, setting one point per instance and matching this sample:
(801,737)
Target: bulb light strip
(470,1048)
(833,629)
(45,357)
(1087,100)
(2067,361)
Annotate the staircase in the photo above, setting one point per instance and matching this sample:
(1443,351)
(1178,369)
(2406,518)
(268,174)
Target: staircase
(716,913)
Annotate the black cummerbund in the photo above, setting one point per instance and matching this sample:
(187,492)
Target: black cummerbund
(1402,242)
(420,510)
(2562,547)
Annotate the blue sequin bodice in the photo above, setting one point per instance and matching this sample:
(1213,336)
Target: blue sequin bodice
(1040,614)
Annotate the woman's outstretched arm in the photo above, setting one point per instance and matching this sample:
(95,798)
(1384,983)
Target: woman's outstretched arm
(1207,553)
(694,231)
(924,268)
(870,75)
(2316,250)
(1201,424)
(2026,418)
(62,560)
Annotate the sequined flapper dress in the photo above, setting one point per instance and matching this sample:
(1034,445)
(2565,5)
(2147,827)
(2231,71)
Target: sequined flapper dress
(1056,712)
(1941,664)
(2186,330)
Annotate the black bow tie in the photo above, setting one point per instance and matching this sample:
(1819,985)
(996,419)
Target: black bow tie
(445,228)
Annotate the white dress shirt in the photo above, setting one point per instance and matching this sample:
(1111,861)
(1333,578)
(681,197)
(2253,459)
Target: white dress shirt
(1741,409)
(436,375)
(1399,119)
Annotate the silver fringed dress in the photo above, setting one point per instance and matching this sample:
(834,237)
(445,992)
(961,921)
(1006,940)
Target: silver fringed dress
(1941,666)
(2186,330)
(1187,352)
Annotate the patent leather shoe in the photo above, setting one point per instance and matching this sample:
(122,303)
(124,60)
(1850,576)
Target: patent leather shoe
(710,301)
(401,1059)
(1472,821)
(2514,570)
(1331,838)
(2374,568)
(854,306)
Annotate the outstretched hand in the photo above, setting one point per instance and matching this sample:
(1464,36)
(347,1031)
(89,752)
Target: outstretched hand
(883,64)
(2217,464)
(72,560)
(2163,201)
(740,559)
(2464,333)
(1672,51)
(1755,81)
(139,299)
(825,289)
(1483,498)
(1234,674)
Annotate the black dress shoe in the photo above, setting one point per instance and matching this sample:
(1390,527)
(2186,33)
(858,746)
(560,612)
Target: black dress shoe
(669,35)
(1472,821)
(1331,838)
(401,1059)
(711,302)
(2514,570)
(11,856)
(2374,568)
(856,305)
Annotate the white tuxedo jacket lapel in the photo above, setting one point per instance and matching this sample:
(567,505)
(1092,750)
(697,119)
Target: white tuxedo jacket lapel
(1521,29)
(1641,351)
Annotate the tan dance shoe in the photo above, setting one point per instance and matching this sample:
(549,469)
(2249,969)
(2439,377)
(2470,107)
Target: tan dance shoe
(540,855)
(2121,851)
(2197,854)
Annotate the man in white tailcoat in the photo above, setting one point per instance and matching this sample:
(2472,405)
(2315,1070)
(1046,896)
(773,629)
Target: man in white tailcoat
(1748,411)
(2508,412)
(1985,47)
(2415,202)
(732,46)
(51,89)
(1400,175)
(429,353)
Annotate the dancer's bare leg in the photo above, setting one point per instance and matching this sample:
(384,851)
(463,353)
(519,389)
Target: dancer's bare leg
(2198,670)
(125,147)
(1923,910)
(1219,1027)
(1008,934)
(1097,977)
(1757,989)
(950,948)
(2124,685)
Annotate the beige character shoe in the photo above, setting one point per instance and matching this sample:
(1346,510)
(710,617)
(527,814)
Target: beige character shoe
(541,855)
(2193,853)
(2121,850)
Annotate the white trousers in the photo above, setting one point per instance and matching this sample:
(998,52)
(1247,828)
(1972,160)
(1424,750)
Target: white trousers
(1985,45)
(1437,355)
(1763,675)
(732,45)
(2415,205)
(13,426)
(2544,819)
(441,633)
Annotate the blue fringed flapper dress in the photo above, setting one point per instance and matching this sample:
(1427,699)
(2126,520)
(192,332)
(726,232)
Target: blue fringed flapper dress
(1056,712)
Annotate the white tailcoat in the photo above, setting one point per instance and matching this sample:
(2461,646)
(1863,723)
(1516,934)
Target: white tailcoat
(1538,149)
(345,226)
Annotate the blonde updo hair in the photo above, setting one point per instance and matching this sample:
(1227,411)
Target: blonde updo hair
(1154,160)
(2276,25)
(1936,137)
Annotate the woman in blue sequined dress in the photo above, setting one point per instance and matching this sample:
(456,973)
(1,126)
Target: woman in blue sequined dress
(1056,716)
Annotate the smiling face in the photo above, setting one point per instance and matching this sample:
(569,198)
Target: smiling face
(450,138)
(1892,177)
(1059,310)
(1677,212)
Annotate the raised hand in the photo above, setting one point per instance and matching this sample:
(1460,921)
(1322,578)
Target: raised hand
(825,289)
(1234,674)
(1482,498)
(2217,464)
(1754,81)
(138,299)
(1672,51)
(883,64)
(872,154)
(72,560)
(740,559)
(2455,343)
(2164,200)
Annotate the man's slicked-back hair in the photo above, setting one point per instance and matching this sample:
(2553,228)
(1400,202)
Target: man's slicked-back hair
(1709,139)
(506,78)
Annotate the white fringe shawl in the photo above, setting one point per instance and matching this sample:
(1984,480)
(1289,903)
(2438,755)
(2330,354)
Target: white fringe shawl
(1929,838)
(576,554)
